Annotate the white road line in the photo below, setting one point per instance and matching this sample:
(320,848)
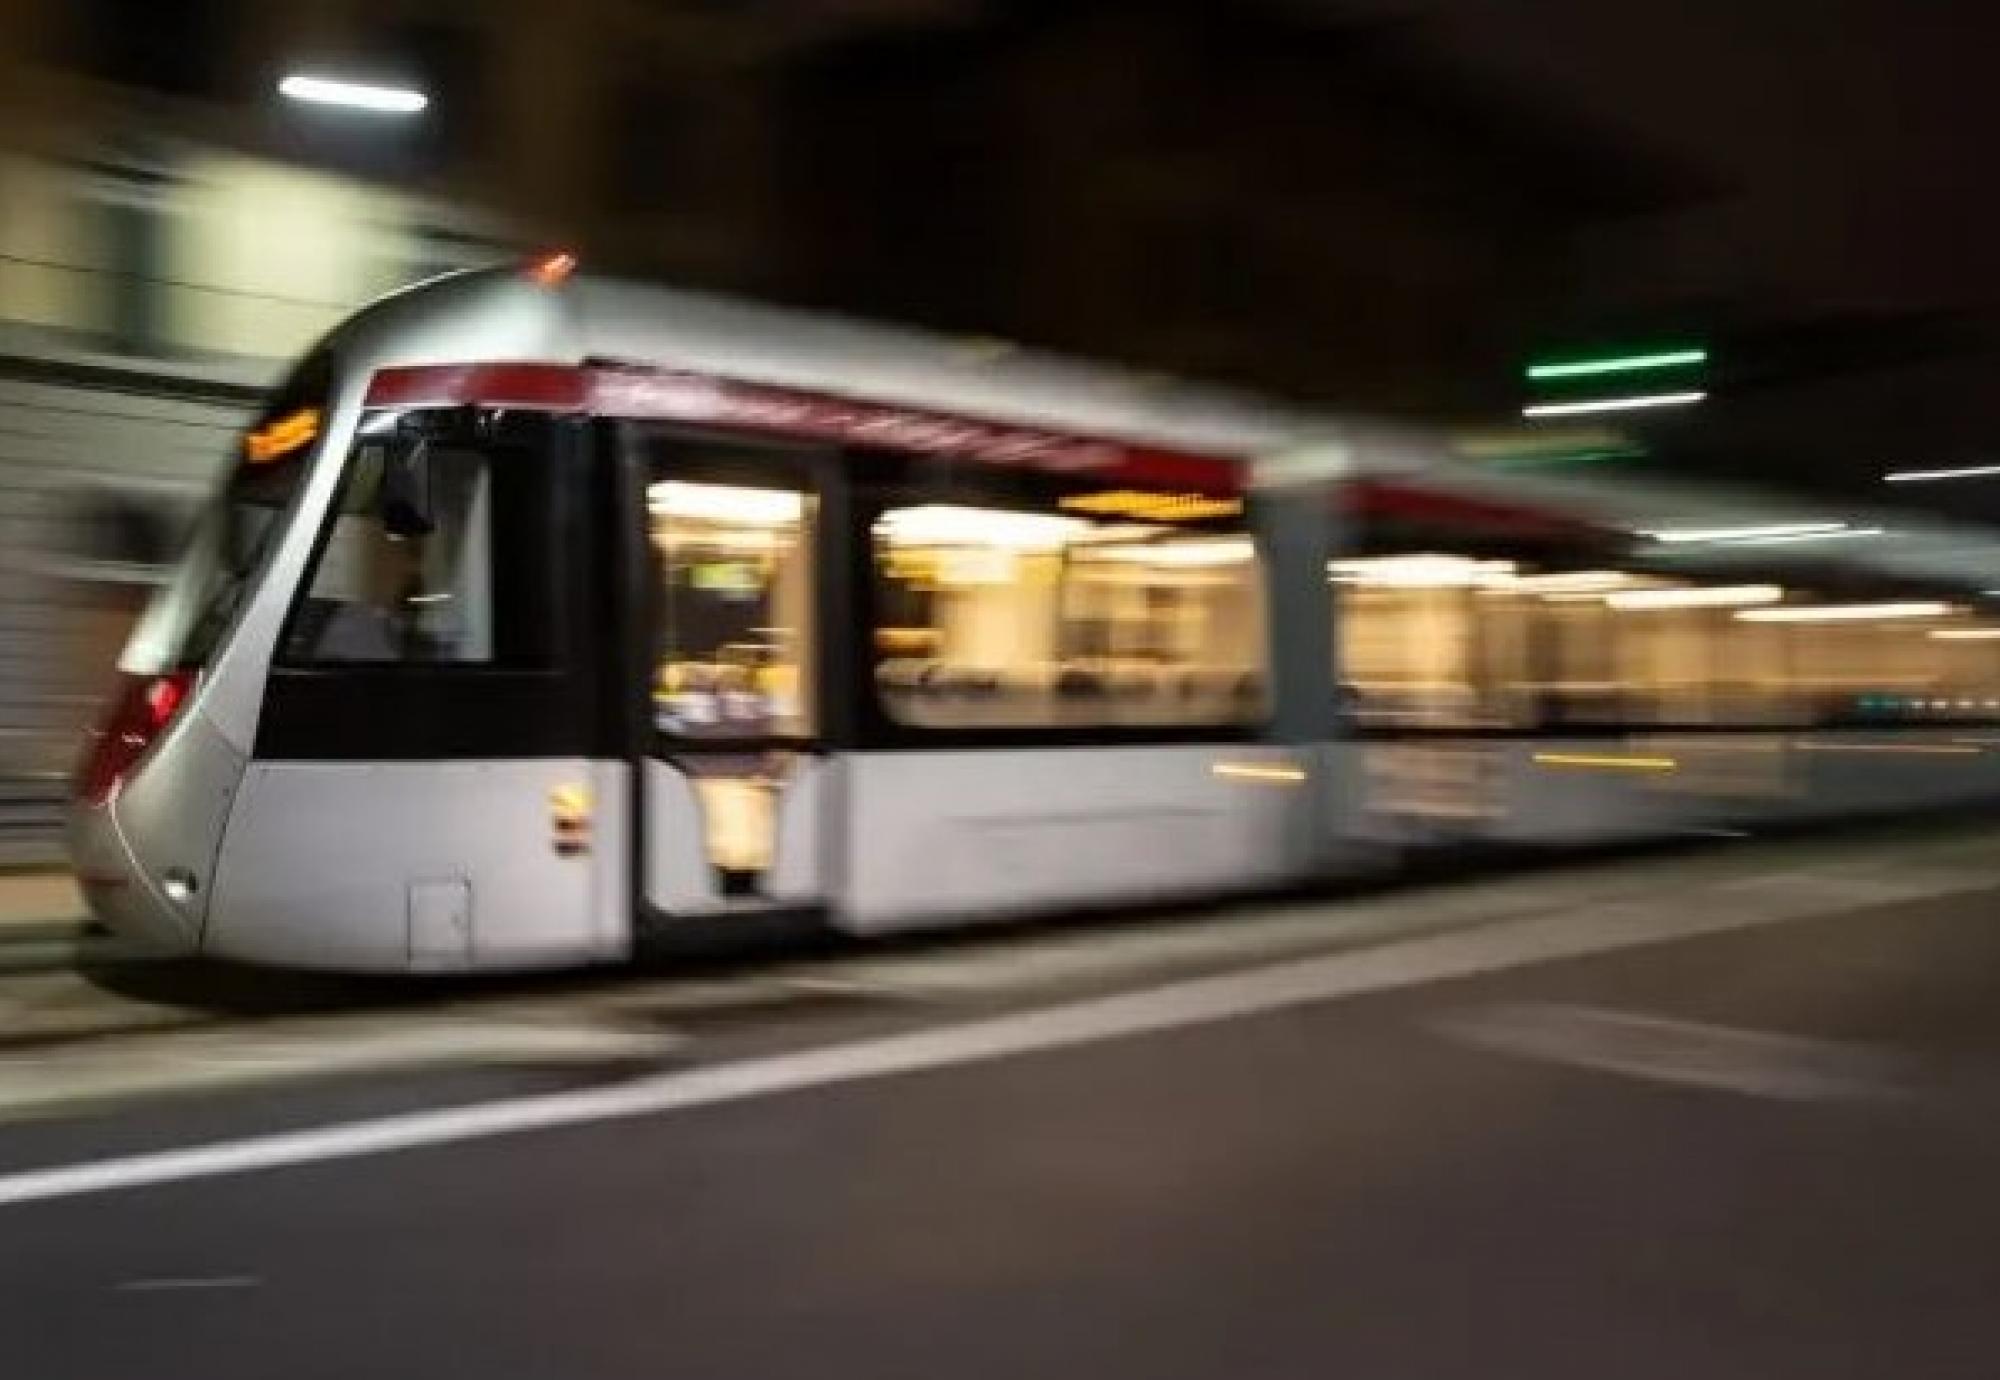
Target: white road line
(1572,933)
(1659,1049)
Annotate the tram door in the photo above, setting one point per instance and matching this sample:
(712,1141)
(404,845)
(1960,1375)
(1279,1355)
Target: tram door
(733,787)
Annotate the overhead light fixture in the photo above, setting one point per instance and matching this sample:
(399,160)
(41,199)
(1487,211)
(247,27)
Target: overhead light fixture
(1713,597)
(1625,404)
(1932,476)
(1676,536)
(1847,613)
(1617,364)
(1966,634)
(726,503)
(353,95)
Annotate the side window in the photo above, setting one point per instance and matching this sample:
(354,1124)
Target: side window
(733,536)
(440,551)
(1075,612)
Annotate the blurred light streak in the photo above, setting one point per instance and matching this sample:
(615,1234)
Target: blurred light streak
(551,270)
(1909,749)
(353,95)
(1840,535)
(1625,404)
(1619,364)
(1258,771)
(1764,531)
(1965,634)
(1847,613)
(1932,476)
(1605,761)
(1715,597)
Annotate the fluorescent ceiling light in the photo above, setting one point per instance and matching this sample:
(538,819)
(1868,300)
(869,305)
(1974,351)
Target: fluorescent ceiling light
(1679,535)
(941,524)
(1429,571)
(1846,613)
(1663,359)
(1570,581)
(354,95)
(726,503)
(1931,476)
(1713,597)
(1626,404)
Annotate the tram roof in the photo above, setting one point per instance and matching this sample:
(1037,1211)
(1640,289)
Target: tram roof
(504,314)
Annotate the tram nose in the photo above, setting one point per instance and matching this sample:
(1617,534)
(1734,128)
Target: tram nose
(115,888)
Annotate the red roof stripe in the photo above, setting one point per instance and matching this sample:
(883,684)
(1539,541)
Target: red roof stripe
(707,400)
(553,386)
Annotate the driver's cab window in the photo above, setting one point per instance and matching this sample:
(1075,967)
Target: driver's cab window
(407,573)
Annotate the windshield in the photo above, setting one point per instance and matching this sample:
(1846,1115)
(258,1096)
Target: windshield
(186,621)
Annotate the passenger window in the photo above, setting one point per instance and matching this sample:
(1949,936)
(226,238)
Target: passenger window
(1078,614)
(408,573)
(734,630)
(1445,641)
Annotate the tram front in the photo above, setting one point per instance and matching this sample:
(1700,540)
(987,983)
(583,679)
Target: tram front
(154,785)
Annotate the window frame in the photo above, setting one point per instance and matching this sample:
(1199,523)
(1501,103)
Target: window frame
(753,461)
(1799,711)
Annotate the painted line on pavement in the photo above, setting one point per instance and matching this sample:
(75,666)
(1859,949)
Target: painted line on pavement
(1508,944)
(1692,1054)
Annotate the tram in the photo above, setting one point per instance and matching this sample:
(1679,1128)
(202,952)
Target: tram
(541,614)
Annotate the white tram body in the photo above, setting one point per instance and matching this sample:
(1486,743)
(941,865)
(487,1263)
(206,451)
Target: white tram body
(542,613)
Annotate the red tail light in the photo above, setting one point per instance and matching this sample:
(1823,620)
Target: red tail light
(139,714)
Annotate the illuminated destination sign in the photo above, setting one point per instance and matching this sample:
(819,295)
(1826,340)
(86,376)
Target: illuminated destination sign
(1143,506)
(281,436)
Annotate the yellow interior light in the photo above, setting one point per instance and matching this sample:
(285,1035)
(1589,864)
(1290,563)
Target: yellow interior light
(1605,761)
(1152,507)
(281,436)
(1276,773)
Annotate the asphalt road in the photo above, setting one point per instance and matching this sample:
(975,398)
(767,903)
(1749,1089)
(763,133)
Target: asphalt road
(1767,1153)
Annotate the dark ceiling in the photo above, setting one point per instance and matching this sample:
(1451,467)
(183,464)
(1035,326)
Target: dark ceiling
(1830,233)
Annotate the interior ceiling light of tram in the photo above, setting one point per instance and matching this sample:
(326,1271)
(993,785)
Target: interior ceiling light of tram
(1848,613)
(726,503)
(942,524)
(1429,570)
